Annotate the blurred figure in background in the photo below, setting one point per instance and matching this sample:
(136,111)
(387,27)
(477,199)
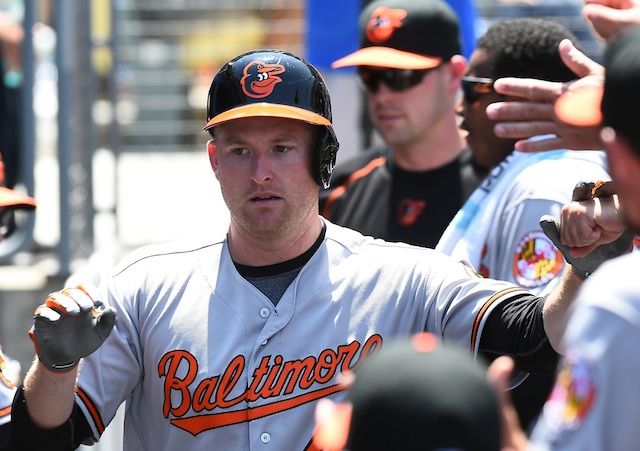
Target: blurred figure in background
(11,37)
(10,201)
(410,66)
(415,394)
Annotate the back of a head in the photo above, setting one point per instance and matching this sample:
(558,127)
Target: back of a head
(527,47)
(620,107)
(410,398)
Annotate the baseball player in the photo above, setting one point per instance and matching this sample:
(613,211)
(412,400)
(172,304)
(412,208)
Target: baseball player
(498,229)
(409,64)
(595,397)
(10,201)
(228,342)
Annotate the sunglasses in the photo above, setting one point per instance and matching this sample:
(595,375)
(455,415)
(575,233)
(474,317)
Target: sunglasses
(475,87)
(396,79)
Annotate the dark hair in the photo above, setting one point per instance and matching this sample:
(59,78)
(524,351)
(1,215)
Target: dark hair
(527,47)
(621,89)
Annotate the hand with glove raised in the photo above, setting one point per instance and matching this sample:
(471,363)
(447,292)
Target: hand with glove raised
(70,325)
(591,229)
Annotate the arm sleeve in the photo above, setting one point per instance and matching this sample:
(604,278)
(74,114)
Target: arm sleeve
(516,328)
(27,436)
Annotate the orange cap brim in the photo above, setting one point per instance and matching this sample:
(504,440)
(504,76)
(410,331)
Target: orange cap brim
(268,110)
(11,198)
(387,57)
(580,107)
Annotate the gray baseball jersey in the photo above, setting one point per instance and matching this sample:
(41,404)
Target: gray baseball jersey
(7,391)
(205,361)
(594,404)
(514,247)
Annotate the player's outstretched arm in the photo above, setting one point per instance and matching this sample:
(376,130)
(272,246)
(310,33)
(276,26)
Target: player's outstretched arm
(70,325)
(535,116)
(593,233)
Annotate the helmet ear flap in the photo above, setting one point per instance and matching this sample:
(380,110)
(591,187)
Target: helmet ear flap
(324,158)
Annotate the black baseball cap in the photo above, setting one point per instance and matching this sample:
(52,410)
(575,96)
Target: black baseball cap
(405,34)
(416,394)
(614,104)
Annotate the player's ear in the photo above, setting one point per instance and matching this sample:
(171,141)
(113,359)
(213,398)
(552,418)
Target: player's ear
(332,425)
(456,67)
(213,155)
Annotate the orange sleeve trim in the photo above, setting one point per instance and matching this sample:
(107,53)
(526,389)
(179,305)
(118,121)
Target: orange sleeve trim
(340,190)
(95,416)
(483,311)
(6,411)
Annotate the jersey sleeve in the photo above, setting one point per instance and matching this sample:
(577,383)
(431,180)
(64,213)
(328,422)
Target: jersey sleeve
(112,373)
(594,401)
(465,301)
(7,391)
(520,252)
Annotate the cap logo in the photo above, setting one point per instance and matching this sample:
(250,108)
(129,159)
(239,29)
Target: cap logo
(259,78)
(383,23)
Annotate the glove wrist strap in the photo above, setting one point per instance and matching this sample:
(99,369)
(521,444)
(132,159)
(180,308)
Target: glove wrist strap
(57,367)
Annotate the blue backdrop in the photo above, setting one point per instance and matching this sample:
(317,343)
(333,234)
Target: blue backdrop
(332,28)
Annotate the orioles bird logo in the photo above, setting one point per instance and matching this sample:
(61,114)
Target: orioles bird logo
(384,21)
(259,78)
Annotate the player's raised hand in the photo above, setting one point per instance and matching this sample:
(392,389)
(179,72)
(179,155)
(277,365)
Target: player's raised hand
(535,116)
(610,17)
(70,325)
(591,229)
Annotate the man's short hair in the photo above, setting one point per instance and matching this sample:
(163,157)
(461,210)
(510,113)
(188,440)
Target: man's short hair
(527,47)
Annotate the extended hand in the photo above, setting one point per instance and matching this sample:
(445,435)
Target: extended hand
(70,325)
(610,17)
(535,115)
(591,230)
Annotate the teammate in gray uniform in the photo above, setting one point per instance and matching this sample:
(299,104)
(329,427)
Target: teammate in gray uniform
(498,230)
(596,395)
(228,342)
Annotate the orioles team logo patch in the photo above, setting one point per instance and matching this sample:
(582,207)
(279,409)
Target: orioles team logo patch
(572,396)
(383,23)
(409,211)
(260,78)
(537,261)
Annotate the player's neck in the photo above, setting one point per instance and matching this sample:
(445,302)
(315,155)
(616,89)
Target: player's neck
(430,151)
(269,249)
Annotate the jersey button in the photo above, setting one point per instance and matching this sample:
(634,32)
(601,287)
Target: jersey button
(264,312)
(265,438)
(264,343)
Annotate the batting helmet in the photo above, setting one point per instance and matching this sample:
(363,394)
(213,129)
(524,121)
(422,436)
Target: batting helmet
(277,84)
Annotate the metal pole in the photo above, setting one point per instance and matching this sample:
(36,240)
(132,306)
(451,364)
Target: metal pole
(63,54)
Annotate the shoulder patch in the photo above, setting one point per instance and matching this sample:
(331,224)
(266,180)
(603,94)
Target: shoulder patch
(536,261)
(572,396)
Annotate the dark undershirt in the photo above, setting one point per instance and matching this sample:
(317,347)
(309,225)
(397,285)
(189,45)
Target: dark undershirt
(273,280)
